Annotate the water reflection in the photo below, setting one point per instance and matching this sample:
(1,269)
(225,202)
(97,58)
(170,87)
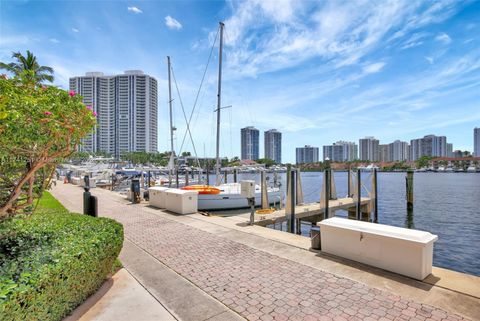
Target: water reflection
(409,223)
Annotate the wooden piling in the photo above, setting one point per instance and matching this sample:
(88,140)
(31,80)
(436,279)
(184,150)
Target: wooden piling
(186,177)
(235,175)
(359,194)
(292,202)
(327,185)
(208,174)
(349,182)
(375,196)
(409,189)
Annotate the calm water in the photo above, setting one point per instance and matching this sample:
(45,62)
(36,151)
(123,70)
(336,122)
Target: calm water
(446,204)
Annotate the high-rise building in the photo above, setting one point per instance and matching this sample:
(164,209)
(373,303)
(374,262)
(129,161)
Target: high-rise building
(449,150)
(328,152)
(307,154)
(340,151)
(476,141)
(369,149)
(350,150)
(250,143)
(273,145)
(333,153)
(430,145)
(126,107)
(398,151)
(384,153)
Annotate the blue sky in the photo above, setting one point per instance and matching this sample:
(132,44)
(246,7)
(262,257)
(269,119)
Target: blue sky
(317,71)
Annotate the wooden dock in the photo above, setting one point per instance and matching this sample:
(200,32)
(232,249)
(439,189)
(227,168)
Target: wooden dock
(311,212)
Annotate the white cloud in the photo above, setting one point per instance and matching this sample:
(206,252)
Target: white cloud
(172,23)
(54,40)
(415,40)
(373,68)
(75,30)
(266,36)
(14,41)
(443,37)
(134,10)
(430,60)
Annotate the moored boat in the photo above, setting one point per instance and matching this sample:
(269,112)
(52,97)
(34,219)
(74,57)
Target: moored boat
(229,197)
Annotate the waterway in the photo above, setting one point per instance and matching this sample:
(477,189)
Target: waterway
(445,204)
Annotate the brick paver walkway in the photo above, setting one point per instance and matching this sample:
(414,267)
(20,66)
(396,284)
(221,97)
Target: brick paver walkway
(261,286)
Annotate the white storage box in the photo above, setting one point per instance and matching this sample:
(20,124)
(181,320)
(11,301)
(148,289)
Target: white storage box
(247,189)
(181,201)
(157,196)
(400,250)
(76,180)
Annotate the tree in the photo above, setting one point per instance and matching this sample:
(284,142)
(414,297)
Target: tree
(39,127)
(268,162)
(423,161)
(143,158)
(235,161)
(28,68)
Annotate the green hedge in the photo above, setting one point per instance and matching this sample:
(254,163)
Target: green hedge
(51,261)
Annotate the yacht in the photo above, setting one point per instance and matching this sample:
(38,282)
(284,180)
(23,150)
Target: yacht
(228,196)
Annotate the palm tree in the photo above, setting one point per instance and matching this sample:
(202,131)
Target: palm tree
(28,67)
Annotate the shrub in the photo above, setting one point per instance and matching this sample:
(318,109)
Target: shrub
(39,126)
(51,261)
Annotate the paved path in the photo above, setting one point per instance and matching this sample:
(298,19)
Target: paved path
(121,298)
(253,283)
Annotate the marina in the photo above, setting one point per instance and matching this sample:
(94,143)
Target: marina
(437,200)
(237,263)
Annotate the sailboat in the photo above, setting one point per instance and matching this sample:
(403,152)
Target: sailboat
(228,196)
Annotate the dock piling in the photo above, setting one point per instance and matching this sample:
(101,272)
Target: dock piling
(235,171)
(186,177)
(291,201)
(208,175)
(375,196)
(409,188)
(176,178)
(263,185)
(327,185)
(299,190)
(349,182)
(359,194)
(287,190)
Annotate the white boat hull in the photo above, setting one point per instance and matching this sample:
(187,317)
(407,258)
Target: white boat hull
(230,198)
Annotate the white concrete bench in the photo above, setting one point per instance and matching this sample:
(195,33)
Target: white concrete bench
(400,250)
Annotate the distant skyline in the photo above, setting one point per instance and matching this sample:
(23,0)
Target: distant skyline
(317,71)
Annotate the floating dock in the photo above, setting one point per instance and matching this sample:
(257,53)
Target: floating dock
(312,212)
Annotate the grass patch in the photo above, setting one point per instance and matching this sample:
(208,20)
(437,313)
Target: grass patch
(48,202)
(51,261)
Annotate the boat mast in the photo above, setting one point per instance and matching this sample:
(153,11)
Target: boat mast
(219,102)
(171,121)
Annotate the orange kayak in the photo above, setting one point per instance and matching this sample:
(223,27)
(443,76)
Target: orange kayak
(202,189)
